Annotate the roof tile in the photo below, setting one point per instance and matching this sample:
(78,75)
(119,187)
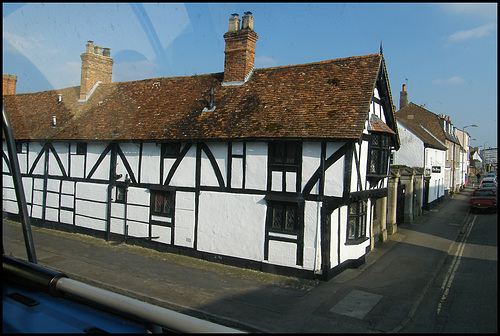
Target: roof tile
(328,99)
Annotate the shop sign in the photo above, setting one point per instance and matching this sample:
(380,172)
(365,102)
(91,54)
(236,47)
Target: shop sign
(436,169)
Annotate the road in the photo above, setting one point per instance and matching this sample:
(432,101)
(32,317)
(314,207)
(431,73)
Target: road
(464,296)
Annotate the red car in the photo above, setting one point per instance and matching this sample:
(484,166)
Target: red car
(483,199)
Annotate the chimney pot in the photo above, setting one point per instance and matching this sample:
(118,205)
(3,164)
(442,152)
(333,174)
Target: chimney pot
(247,21)
(106,52)
(98,50)
(90,47)
(234,23)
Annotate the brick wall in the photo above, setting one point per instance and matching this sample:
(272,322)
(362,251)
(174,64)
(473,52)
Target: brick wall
(240,54)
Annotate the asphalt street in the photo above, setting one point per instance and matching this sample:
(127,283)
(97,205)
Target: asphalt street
(382,295)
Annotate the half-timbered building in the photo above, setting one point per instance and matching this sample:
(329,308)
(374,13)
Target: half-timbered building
(274,169)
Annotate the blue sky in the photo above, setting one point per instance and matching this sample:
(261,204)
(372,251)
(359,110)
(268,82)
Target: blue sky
(445,53)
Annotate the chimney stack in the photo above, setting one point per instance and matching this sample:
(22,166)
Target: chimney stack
(240,49)
(97,65)
(403,98)
(9,84)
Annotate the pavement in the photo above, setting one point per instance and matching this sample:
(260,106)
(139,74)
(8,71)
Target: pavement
(382,295)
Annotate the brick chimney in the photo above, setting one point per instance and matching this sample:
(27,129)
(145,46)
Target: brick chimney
(403,97)
(9,84)
(97,65)
(240,49)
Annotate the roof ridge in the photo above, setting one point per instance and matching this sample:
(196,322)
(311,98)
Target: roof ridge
(320,62)
(170,78)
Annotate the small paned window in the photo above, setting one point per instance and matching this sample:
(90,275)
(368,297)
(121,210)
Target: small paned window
(19,147)
(283,216)
(121,194)
(162,203)
(356,221)
(379,154)
(170,150)
(284,153)
(81,148)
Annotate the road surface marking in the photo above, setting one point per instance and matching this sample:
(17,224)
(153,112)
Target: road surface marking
(448,280)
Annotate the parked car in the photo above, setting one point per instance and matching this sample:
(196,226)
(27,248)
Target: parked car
(489,180)
(483,199)
(488,185)
(492,174)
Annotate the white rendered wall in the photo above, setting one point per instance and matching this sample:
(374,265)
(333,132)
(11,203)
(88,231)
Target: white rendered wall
(94,151)
(256,174)
(232,224)
(185,175)
(312,236)
(334,175)
(150,166)
(131,152)
(311,153)
(35,148)
(184,219)
(62,150)
(411,151)
(208,177)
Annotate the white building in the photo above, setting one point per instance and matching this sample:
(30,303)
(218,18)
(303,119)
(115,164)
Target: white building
(273,169)
(421,149)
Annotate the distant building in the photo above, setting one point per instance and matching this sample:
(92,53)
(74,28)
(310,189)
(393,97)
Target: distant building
(442,129)
(490,156)
(420,148)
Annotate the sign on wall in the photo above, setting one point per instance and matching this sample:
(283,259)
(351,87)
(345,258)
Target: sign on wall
(436,169)
(490,156)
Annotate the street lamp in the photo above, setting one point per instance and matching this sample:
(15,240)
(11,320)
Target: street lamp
(485,166)
(474,125)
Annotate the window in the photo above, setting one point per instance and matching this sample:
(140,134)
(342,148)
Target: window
(379,154)
(285,153)
(170,150)
(283,216)
(356,221)
(81,148)
(121,194)
(162,203)
(19,147)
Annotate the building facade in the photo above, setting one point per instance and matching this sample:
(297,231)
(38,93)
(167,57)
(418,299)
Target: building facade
(275,169)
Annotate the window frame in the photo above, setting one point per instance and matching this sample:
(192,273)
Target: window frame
(285,154)
(121,190)
(356,221)
(383,155)
(81,148)
(285,207)
(170,150)
(167,195)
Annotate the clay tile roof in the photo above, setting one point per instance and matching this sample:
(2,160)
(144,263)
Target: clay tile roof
(426,118)
(377,125)
(429,139)
(329,99)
